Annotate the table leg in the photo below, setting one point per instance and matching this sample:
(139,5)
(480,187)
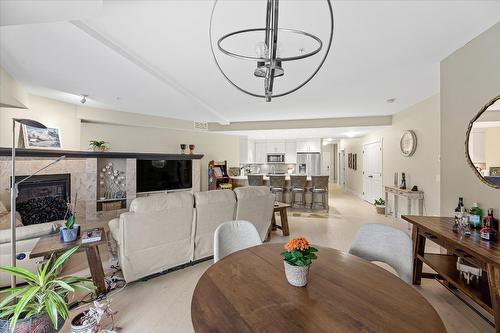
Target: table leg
(420,207)
(273,220)
(494,284)
(386,202)
(418,248)
(284,222)
(396,205)
(96,270)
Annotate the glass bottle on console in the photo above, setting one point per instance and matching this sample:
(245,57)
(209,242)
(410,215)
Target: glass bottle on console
(458,214)
(475,217)
(489,231)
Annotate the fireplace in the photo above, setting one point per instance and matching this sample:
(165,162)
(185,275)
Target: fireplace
(43,198)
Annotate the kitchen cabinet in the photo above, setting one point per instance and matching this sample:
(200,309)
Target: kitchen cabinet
(291,152)
(310,145)
(260,152)
(275,147)
(247,150)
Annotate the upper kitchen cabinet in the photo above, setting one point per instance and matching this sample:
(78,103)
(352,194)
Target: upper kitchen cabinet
(247,150)
(260,152)
(275,147)
(291,151)
(309,145)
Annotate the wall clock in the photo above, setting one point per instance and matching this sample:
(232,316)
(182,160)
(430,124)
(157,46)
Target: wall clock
(408,143)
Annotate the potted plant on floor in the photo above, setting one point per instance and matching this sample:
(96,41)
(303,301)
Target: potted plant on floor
(40,305)
(297,259)
(380,205)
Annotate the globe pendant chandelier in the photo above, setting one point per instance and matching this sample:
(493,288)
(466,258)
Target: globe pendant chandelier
(270,63)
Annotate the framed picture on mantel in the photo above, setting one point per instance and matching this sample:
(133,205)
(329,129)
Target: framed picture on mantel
(38,138)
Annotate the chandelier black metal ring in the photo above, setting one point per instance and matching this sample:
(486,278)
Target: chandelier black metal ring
(270,66)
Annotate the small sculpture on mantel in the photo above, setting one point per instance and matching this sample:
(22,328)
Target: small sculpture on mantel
(402,186)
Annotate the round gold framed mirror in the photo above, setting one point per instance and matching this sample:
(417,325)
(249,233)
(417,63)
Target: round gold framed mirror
(482,143)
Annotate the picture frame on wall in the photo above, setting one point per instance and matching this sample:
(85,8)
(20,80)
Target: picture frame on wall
(355,161)
(349,160)
(41,138)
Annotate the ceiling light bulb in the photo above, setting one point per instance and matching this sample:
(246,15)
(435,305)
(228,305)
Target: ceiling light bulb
(261,50)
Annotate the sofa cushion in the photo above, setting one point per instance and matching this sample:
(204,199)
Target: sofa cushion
(30,231)
(161,201)
(256,205)
(212,209)
(114,228)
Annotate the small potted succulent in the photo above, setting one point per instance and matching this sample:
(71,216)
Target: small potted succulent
(297,259)
(40,305)
(98,145)
(380,205)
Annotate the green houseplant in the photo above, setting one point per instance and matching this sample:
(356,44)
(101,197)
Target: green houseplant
(298,258)
(380,205)
(41,304)
(98,145)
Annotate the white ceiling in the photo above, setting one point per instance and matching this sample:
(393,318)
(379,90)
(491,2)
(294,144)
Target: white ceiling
(154,57)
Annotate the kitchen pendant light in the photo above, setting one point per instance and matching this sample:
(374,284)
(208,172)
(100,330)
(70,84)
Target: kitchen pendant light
(270,62)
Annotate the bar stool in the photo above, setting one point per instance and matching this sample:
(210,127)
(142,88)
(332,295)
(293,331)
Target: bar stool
(255,180)
(277,184)
(319,186)
(298,186)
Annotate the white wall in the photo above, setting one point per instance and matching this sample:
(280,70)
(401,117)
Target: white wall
(470,77)
(143,139)
(136,133)
(422,169)
(49,112)
(492,147)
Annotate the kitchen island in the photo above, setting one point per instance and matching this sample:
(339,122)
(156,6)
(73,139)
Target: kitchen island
(240,181)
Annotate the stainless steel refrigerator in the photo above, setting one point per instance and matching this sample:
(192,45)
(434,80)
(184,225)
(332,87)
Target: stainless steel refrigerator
(309,164)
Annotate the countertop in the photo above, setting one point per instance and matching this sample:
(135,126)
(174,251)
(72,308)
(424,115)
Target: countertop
(287,177)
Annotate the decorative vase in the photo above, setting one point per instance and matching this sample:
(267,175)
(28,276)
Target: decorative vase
(91,327)
(191,149)
(69,235)
(297,276)
(39,323)
(183,148)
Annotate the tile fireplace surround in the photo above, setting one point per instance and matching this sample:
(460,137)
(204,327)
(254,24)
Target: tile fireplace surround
(84,174)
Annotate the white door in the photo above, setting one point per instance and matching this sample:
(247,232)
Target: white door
(341,177)
(372,171)
(326,164)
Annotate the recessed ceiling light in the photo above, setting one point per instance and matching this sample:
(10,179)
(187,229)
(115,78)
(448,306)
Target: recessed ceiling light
(84,98)
(391,100)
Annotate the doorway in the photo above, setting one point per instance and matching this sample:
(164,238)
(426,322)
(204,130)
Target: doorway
(372,171)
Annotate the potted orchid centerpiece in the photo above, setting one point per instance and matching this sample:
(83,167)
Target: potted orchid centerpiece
(297,259)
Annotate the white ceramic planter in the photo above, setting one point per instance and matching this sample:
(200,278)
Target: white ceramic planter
(297,276)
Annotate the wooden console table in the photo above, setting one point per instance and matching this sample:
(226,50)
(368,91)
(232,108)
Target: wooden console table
(409,195)
(51,244)
(474,250)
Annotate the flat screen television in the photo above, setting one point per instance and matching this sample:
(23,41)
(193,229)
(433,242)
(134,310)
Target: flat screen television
(162,175)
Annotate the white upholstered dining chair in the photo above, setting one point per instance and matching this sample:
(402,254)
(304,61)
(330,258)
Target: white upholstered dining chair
(378,242)
(233,236)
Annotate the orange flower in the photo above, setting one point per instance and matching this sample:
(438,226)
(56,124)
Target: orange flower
(298,244)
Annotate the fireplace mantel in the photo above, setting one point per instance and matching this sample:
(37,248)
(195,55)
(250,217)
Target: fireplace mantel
(22,152)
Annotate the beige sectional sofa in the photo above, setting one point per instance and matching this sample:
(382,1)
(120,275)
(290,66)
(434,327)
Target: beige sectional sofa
(167,230)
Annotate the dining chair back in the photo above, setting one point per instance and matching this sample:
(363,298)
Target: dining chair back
(319,187)
(233,236)
(255,180)
(298,186)
(378,242)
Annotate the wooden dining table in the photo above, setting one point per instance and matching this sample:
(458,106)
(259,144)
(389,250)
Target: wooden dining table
(247,291)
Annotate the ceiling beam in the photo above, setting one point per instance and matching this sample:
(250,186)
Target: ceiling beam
(302,123)
(145,66)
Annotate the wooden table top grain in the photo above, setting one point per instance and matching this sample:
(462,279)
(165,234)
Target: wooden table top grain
(248,292)
(49,244)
